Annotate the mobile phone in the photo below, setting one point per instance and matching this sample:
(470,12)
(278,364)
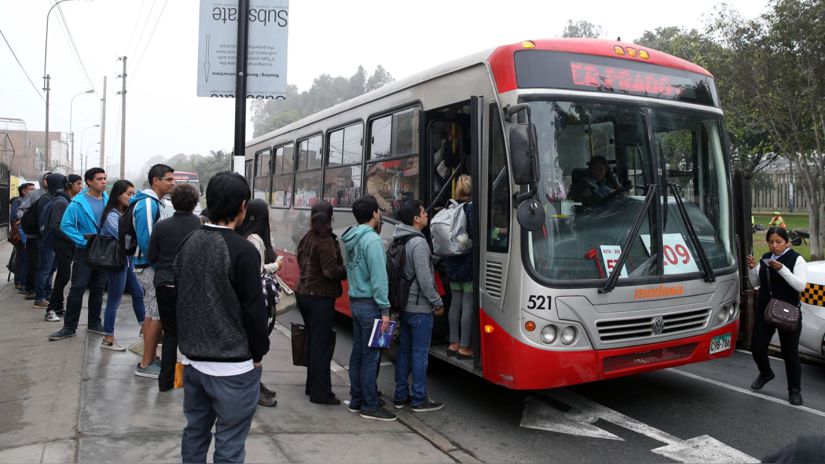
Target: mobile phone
(767,261)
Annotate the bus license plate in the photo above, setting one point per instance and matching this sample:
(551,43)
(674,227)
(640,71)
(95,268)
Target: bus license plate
(720,343)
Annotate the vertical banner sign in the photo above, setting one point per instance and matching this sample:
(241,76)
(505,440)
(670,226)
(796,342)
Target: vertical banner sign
(266,50)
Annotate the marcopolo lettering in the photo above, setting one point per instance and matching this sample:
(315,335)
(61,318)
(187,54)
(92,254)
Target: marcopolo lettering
(658,292)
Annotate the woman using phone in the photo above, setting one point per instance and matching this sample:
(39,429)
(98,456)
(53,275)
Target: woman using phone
(781,273)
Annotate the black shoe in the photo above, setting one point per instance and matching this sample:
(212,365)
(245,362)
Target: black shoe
(97,329)
(267,401)
(351,407)
(402,403)
(332,400)
(761,381)
(267,392)
(29,296)
(795,397)
(60,312)
(61,334)
(428,405)
(380,414)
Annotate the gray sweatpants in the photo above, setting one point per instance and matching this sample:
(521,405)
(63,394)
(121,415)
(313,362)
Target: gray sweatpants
(228,404)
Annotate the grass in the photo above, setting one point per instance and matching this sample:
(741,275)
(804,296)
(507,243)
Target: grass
(793,221)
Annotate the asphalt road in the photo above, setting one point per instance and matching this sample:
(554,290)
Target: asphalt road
(698,413)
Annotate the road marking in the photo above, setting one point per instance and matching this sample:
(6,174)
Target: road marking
(749,392)
(576,415)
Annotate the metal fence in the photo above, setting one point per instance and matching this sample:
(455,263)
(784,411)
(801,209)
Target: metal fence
(777,191)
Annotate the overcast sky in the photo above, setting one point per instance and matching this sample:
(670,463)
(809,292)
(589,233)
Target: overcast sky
(164,115)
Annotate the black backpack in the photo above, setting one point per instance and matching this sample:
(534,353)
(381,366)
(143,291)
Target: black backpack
(126,234)
(399,284)
(29,222)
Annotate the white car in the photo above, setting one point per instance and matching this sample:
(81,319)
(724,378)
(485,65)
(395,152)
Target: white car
(812,340)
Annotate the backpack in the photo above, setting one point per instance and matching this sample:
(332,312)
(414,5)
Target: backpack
(126,234)
(399,284)
(44,216)
(272,293)
(449,231)
(29,221)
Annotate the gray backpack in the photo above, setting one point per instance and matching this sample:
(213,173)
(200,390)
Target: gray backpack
(449,231)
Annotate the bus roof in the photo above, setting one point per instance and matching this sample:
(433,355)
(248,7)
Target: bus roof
(502,64)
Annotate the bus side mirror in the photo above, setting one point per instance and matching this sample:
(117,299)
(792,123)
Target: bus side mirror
(524,154)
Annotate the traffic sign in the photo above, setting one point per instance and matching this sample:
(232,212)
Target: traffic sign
(266,51)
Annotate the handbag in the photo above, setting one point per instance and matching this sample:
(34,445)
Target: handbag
(272,291)
(781,314)
(300,345)
(103,253)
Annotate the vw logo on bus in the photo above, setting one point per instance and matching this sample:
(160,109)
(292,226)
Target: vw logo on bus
(658,325)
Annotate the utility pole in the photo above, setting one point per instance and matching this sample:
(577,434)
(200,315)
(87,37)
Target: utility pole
(123,121)
(46,87)
(102,126)
(240,87)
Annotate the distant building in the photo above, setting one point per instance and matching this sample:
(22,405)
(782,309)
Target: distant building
(24,151)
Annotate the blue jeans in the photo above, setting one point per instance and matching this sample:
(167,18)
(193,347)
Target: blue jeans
(363,362)
(225,403)
(84,277)
(43,285)
(118,281)
(413,355)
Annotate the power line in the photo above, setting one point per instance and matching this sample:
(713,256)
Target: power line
(21,66)
(149,42)
(134,28)
(143,29)
(68,32)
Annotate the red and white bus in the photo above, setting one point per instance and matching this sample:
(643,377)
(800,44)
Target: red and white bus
(577,279)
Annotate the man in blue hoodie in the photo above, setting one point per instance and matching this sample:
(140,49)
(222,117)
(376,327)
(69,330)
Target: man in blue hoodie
(368,296)
(149,209)
(81,219)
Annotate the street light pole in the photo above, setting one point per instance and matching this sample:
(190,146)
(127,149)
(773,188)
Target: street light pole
(83,133)
(71,132)
(47,78)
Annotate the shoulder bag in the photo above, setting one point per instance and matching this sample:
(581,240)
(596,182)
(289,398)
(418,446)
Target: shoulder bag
(781,314)
(103,253)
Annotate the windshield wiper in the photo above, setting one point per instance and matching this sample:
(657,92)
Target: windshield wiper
(611,281)
(703,259)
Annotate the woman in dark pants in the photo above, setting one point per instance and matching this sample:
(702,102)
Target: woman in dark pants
(322,270)
(788,277)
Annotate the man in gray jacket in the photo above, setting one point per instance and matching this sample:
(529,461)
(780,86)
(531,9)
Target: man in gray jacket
(417,317)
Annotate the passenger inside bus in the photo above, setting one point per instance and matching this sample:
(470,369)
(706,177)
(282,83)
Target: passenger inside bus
(592,186)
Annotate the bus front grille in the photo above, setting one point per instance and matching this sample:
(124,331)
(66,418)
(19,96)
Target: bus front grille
(661,355)
(619,330)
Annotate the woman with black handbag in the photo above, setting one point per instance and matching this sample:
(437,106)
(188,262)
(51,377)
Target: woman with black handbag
(781,275)
(322,270)
(122,192)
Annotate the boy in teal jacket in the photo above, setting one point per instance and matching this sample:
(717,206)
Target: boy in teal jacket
(368,296)
(82,218)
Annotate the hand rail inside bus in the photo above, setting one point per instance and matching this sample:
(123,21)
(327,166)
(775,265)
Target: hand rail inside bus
(611,281)
(703,258)
(446,185)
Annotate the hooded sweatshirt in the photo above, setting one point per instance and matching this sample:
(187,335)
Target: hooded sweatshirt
(418,266)
(30,201)
(80,220)
(367,266)
(44,206)
(148,211)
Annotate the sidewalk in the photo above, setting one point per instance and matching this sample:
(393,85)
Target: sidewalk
(71,401)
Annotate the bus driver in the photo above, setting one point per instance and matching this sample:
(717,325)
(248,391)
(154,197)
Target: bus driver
(593,186)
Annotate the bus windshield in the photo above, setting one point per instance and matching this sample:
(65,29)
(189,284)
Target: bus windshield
(597,165)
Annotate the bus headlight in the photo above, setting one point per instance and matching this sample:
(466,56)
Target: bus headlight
(723,314)
(548,334)
(732,313)
(568,335)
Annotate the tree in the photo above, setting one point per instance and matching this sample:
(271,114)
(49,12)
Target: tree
(778,62)
(205,166)
(582,29)
(326,91)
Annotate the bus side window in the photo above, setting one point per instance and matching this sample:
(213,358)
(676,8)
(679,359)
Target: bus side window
(393,169)
(342,184)
(498,219)
(282,177)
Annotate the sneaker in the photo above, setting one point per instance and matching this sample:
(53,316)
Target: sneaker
(428,405)
(111,345)
(351,407)
(267,401)
(267,392)
(795,397)
(152,371)
(380,414)
(41,304)
(97,329)
(61,334)
(402,403)
(29,296)
(761,381)
(51,316)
